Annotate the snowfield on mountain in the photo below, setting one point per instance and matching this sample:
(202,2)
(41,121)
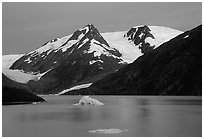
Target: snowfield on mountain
(129,50)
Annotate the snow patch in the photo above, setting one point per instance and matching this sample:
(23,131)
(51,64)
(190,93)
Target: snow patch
(34,54)
(42,74)
(71,51)
(68,45)
(186,37)
(140,36)
(83,43)
(73,62)
(28,60)
(53,45)
(98,49)
(75,88)
(94,61)
(80,37)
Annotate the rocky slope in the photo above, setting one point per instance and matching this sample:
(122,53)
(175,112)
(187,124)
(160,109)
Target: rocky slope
(174,68)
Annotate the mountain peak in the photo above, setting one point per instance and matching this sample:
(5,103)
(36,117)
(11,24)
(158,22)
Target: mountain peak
(90,26)
(88,32)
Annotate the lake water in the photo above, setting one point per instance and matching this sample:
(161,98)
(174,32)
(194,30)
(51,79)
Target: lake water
(134,115)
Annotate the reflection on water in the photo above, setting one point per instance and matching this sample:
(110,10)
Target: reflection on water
(139,115)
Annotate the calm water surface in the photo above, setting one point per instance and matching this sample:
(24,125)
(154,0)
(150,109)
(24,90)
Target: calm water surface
(137,115)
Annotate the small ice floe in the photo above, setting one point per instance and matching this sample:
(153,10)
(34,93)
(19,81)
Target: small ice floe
(108,131)
(86,100)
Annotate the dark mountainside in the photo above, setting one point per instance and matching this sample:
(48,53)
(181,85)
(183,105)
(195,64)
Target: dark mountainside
(174,68)
(74,66)
(16,93)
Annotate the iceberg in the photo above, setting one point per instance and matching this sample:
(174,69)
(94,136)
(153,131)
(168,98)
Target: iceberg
(86,100)
(108,131)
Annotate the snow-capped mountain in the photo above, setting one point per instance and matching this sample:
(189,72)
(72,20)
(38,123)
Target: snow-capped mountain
(86,55)
(85,41)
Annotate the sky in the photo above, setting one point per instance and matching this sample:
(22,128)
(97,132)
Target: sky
(27,26)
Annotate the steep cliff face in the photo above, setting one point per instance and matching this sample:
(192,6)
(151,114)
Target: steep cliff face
(174,68)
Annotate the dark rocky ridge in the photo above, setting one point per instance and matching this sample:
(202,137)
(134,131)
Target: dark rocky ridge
(16,93)
(174,68)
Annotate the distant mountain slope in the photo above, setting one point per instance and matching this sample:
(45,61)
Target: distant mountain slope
(86,56)
(174,68)
(15,93)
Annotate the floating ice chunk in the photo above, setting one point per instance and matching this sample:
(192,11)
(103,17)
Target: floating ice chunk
(108,131)
(86,100)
